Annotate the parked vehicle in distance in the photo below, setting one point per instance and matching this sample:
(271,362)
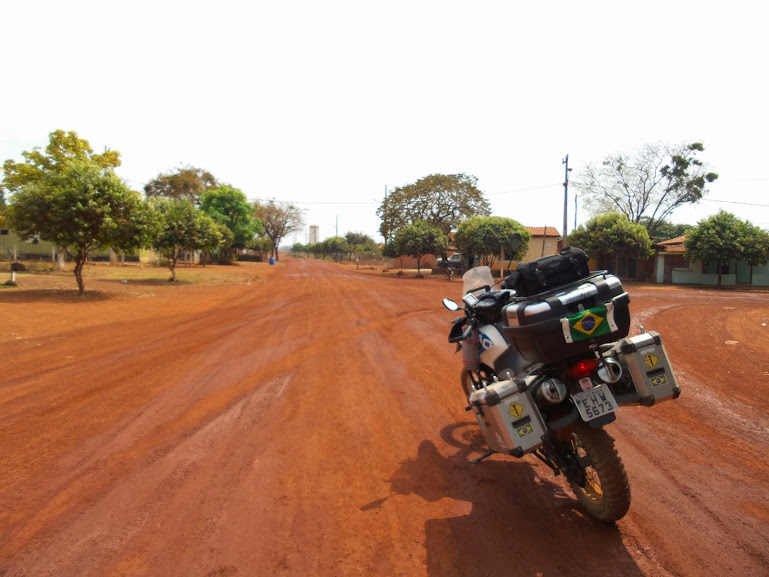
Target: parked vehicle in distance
(454,261)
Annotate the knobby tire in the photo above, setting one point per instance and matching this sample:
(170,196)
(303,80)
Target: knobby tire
(606,491)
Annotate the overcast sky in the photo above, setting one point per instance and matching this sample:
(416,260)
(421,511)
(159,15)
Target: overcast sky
(327,103)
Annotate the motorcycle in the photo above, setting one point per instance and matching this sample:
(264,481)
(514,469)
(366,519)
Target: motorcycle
(544,374)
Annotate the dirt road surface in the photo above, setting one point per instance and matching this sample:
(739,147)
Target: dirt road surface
(313,425)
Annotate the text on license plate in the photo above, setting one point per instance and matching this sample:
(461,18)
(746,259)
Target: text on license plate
(595,403)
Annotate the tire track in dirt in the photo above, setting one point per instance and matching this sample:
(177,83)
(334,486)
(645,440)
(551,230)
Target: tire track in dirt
(314,426)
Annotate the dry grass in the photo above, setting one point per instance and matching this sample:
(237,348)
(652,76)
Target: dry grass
(138,279)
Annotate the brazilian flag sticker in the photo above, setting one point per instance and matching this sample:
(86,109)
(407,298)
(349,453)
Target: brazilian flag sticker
(589,324)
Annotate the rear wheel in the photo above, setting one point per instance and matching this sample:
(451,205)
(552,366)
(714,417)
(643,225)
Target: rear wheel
(597,476)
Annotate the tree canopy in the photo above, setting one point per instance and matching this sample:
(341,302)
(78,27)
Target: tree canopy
(490,236)
(419,240)
(186,183)
(80,206)
(278,221)
(230,207)
(335,247)
(610,236)
(63,148)
(445,200)
(362,245)
(648,185)
(723,238)
(181,227)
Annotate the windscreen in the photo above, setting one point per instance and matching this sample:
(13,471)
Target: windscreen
(477,277)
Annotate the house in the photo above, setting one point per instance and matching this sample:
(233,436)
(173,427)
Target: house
(671,267)
(545,240)
(669,255)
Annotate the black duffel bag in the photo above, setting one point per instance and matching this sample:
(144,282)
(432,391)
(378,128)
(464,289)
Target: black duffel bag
(548,272)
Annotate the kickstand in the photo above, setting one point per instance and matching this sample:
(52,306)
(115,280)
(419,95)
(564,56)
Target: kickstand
(486,455)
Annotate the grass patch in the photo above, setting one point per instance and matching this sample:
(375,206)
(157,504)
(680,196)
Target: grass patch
(135,278)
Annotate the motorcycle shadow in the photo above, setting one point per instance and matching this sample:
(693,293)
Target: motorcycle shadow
(523,520)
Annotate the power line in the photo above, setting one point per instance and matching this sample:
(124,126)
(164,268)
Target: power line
(313,202)
(524,189)
(734,202)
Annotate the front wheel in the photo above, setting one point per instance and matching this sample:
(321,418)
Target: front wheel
(596,476)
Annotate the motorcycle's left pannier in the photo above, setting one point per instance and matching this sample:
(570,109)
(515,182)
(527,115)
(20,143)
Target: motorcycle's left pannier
(554,325)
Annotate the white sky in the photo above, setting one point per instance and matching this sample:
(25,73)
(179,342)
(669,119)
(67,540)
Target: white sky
(327,103)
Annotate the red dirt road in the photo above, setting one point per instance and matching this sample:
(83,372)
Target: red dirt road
(313,425)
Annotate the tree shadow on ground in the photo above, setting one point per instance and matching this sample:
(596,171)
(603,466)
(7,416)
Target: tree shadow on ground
(521,523)
(63,296)
(165,281)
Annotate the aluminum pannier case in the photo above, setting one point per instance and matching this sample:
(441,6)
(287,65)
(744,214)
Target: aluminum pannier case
(509,419)
(645,361)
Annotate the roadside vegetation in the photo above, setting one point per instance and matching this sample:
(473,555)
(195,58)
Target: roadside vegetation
(71,197)
(139,280)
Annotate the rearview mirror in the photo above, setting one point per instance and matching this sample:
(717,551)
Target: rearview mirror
(450,304)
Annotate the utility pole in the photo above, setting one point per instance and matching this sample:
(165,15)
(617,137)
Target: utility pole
(384,219)
(565,199)
(576,196)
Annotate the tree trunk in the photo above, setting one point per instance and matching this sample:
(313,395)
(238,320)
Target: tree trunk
(60,258)
(79,262)
(172,263)
(719,273)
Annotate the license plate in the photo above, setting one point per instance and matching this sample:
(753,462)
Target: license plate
(594,403)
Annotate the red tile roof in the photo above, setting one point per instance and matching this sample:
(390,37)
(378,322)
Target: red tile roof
(543,231)
(674,245)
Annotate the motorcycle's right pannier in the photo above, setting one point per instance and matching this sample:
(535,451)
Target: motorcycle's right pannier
(568,321)
(646,366)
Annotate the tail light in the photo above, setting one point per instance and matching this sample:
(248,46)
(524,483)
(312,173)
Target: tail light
(582,369)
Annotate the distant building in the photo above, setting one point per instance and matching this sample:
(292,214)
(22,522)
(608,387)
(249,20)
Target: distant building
(314,234)
(544,242)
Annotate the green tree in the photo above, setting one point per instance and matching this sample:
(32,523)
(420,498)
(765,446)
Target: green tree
(755,246)
(214,238)
(39,165)
(80,207)
(316,249)
(181,227)
(665,230)
(718,239)
(611,236)
(262,245)
(3,207)
(135,228)
(419,240)
(229,206)
(444,200)
(186,183)
(63,148)
(489,236)
(649,184)
(278,221)
(354,238)
(336,247)
(362,245)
